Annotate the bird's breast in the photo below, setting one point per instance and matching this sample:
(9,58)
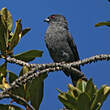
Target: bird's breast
(55,35)
(54,40)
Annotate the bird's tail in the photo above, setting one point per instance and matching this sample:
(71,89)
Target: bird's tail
(75,76)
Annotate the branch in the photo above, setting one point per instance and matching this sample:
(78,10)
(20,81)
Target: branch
(74,64)
(45,68)
(91,59)
(19,62)
(13,96)
(28,77)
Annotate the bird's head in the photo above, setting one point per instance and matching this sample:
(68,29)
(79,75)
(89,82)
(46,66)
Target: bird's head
(56,18)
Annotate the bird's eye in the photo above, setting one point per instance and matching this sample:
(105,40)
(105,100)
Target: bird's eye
(52,16)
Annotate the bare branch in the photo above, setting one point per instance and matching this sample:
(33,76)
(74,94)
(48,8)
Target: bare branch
(13,96)
(19,62)
(44,66)
(39,69)
(28,77)
(92,59)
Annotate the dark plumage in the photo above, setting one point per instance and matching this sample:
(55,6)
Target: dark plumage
(60,44)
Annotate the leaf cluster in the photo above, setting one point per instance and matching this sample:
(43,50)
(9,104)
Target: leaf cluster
(31,92)
(85,96)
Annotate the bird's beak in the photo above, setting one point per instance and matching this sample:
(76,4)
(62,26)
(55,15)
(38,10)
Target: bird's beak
(46,20)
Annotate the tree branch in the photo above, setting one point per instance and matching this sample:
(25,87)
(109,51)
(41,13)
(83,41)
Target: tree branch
(45,68)
(19,62)
(13,96)
(74,64)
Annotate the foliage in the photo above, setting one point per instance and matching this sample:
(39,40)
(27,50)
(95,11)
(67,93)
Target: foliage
(107,23)
(85,96)
(9,107)
(8,41)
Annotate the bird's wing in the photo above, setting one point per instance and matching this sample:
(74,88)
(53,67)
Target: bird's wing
(73,46)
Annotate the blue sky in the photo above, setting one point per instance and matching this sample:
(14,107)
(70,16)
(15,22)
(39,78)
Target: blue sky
(81,15)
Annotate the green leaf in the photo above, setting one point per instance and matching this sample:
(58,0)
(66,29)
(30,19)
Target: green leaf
(3,69)
(81,84)
(18,91)
(17,35)
(59,91)
(62,97)
(24,70)
(91,89)
(12,77)
(83,102)
(29,55)
(72,102)
(98,106)
(36,93)
(103,24)
(26,86)
(68,101)
(8,18)
(3,35)
(74,91)
(26,30)
(1,87)
(100,97)
(9,107)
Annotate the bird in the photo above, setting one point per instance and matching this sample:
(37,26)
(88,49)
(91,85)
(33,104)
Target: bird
(61,45)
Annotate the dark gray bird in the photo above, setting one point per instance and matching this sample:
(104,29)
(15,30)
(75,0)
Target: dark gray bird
(61,45)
